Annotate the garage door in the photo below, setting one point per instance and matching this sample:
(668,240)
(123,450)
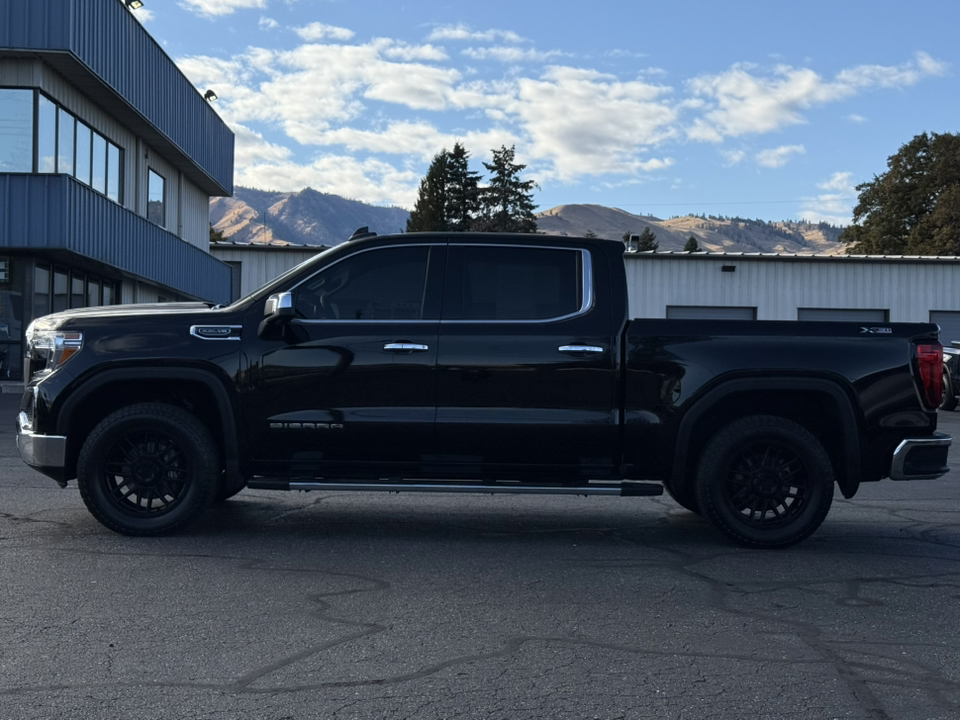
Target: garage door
(843,315)
(949,322)
(706,312)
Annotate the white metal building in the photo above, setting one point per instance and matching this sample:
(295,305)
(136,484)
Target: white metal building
(859,288)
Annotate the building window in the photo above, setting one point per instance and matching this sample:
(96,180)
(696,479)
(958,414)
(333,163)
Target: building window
(82,162)
(41,291)
(16,131)
(61,283)
(64,144)
(77,281)
(156,193)
(99,180)
(46,136)
(113,172)
(66,137)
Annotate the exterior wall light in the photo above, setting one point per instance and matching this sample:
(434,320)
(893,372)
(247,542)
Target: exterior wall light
(209,96)
(134,4)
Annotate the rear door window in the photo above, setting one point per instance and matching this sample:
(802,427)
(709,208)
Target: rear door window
(512,283)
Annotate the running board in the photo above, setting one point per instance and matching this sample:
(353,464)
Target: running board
(625,489)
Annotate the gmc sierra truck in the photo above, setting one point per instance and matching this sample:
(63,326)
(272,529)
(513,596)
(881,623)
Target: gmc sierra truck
(485,363)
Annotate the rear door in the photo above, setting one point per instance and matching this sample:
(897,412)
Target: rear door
(526,367)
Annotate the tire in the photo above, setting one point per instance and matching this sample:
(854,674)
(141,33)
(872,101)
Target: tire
(148,469)
(686,499)
(765,481)
(948,398)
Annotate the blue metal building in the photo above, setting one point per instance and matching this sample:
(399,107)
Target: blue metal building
(108,159)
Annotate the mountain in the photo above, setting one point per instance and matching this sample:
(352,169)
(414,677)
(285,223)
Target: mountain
(309,217)
(715,234)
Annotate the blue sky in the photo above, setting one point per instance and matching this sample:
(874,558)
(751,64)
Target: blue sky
(769,110)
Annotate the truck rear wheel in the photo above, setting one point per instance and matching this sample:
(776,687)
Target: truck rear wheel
(148,469)
(765,481)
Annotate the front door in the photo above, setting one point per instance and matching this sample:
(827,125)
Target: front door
(348,387)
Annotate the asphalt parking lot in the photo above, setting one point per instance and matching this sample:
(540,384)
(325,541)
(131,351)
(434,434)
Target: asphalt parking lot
(337,606)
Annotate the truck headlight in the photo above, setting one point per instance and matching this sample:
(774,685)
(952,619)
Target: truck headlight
(48,350)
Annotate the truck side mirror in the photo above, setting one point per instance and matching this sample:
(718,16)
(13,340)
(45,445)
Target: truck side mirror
(279,307)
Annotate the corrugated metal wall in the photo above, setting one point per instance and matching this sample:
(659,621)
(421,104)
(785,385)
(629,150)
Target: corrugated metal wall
(104,37)
(57,212)
(909,289)
(259,266)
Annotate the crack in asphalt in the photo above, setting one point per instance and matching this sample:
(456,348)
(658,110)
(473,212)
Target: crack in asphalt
(860,665)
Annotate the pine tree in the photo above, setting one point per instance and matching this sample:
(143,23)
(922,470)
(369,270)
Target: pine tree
(648,241)
(692,245)
(430,211)
(462,187)
(506,204)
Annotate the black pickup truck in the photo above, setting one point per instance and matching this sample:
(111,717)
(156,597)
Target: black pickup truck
(473,363)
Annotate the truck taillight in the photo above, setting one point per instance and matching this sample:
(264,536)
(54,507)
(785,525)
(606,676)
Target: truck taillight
(930,367)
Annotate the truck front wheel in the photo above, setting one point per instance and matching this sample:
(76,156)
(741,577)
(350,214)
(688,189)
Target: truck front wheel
(765,481)
(148,469)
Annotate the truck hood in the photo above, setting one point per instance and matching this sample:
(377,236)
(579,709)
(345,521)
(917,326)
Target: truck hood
(145,311)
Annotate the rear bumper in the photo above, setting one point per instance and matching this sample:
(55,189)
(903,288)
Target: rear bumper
(921,458)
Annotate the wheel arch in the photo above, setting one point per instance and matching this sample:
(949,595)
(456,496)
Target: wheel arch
(821,406)
(196,390)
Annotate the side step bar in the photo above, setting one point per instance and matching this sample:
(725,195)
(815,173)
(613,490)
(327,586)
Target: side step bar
(624,489)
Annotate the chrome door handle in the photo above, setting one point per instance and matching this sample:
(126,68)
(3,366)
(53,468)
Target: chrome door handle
(592,349)
(405,347)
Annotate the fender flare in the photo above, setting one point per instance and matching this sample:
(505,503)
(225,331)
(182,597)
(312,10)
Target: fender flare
(848,480)
(228,425)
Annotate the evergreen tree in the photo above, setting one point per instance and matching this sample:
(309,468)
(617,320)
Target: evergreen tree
(506,204)
(462,191)
(590,234)
(430,211)
(692,245)
(914,207)
(216,236)
(648,241)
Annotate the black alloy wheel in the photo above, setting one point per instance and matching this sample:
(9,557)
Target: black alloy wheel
(765,481)
(146,473)
(767,484)
(148,469)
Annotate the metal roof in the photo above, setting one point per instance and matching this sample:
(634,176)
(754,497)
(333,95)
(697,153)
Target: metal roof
(815,257)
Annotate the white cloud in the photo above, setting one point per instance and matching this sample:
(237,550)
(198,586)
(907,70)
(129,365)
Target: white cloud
(836,204)
(319,31)
(733,157)
(511,54)
(463,32)
(582,122)
(371,180)
(143,14)
(742,101)
(858,119)
(268,23)
(778,157)
(220,7)
(392,105)
(402,51)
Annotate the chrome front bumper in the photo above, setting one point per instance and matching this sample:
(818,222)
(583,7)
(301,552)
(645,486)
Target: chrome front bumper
(921,458)
(40,451)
